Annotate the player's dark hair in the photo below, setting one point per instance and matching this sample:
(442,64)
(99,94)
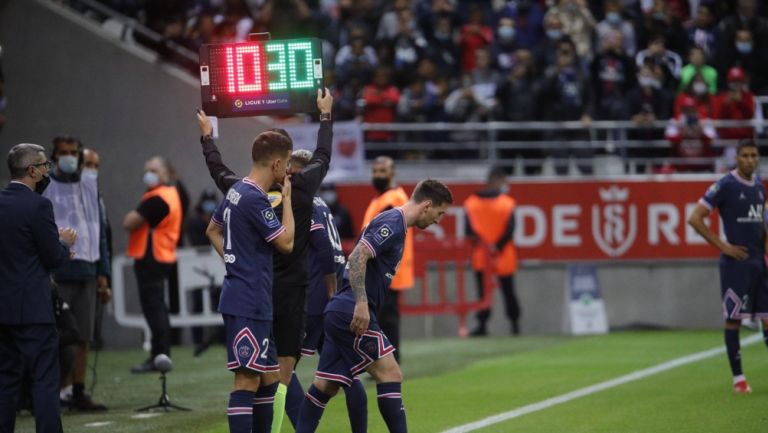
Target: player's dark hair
(65,139)
(269,144)
(745,143)
(282,132)
(433,190)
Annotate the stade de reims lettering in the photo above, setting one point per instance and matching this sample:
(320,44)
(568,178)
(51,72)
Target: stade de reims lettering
(258,78)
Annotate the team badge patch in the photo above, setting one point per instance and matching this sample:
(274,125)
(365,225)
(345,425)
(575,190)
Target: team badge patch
(270,218)
(382,234)
(275,198)
(244,351)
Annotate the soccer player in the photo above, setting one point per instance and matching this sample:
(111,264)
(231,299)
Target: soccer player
(326,271)
(243,230)
(290,270)
(740,197)
(353,339)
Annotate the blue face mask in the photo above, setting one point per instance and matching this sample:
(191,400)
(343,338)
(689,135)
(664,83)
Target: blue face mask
(613,18)
(554,34)
(744,47)
(67,164)
(208,206)
(506,33)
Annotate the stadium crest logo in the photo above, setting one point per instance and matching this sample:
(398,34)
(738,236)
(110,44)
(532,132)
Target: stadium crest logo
(614,223)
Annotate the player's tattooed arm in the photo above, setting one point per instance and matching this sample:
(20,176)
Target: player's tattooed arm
(357,265)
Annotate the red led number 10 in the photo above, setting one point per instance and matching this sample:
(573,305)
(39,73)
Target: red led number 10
(247,72)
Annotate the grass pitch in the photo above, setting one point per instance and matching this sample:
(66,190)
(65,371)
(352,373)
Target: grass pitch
(453,382)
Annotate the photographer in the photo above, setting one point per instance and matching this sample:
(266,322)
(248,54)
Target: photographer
(691,135)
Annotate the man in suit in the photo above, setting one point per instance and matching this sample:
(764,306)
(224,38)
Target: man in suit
(30,248)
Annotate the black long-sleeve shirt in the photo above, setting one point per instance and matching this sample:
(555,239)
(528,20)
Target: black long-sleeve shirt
(290,269)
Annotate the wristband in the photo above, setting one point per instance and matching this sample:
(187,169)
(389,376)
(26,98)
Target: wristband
(325,116)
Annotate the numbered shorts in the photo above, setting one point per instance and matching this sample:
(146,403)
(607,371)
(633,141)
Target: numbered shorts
(344,354)
(744,290)
(313,335)
(250,345)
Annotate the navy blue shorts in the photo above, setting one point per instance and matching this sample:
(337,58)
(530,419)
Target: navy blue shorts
(313,335)
(744,289)
(344,354)
(250,344)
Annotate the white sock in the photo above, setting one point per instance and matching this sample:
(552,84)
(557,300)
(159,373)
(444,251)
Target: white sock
(739,378)
(66,392)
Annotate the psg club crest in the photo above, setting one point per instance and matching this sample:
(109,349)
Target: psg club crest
(614,222)
(244,351)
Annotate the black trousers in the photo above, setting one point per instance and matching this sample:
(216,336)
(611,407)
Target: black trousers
(389,319)
(37,348)
(151,279)
(510,298)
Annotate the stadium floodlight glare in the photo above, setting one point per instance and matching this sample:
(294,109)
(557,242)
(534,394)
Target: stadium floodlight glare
(163,364)
(261,77)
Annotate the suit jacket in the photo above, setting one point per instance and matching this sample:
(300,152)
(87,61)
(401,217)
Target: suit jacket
(29,250)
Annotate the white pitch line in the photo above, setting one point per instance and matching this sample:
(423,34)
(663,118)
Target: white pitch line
(98,424)
(602,386)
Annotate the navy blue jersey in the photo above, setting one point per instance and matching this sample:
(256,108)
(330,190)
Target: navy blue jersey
(384,236)
(741,205)
(325,256)
(249,224)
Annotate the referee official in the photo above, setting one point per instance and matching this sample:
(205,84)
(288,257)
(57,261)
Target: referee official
(291,276)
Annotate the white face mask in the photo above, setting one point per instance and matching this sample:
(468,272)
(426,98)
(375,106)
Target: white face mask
(67,164)
(699,88)
(90,173)
(151,179)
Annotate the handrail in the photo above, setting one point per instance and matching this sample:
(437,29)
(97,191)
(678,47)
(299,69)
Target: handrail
(140,28)
(545,125)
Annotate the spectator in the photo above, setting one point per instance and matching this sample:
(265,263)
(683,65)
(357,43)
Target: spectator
(84,279)
(389,26)
(691,135)
(578,23)
(615,20)
(504,45)
(3,100)
(528,19)
(409,47)
(566,95)
(612,73)
(516,94)
(378,103)
(341,216)
(704,33)
(484,73)
(418,104)
(699,91)
(658,54)
(546,51)
(203,31)
(736,103)
(474,35)
(745,54)
(659,20)
(474,101)
(649,101)
(444,47)
(356,61)
(697,66)
(429,12)
(745,18)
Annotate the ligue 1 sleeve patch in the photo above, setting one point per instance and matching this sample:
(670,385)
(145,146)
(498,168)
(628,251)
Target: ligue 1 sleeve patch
(270,218)
(382,234)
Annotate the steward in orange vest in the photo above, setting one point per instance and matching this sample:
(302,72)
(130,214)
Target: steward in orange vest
(154,229)
(491,224)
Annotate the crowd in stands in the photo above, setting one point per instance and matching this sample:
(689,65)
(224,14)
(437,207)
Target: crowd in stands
(519,60)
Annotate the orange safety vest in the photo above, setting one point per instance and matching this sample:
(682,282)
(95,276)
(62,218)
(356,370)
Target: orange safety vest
(393,198)
(165,235)
(489,218)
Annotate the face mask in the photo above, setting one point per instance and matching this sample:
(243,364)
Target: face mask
(329,197)
(554,34)
(90,173)
(151,179)
(647,81)
(613,18)
(699,88)
(504,189)
(42,184)
(208,206)
(506,33)
(67,164)
(442,36)
(380,183)
(744,47)
(734,87)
